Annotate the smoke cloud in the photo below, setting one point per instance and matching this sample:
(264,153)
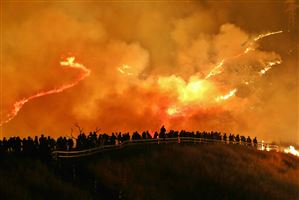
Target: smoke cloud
(188,65)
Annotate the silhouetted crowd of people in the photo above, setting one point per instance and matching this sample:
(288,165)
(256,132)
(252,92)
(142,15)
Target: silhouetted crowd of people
(43,146)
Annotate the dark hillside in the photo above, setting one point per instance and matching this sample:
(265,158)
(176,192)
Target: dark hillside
(200,172)
(155,172)
(28,178)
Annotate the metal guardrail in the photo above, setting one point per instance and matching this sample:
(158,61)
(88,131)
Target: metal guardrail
(178,140)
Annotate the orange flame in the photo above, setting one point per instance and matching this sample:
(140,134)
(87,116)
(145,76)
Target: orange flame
(68,63)
(266,35)
(227,96)
(269,66)
(291,150)
(195,90)
(124,70)
(216,70)
(250,47)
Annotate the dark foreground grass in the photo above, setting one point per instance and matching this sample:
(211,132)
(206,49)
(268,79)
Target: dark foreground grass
(26,178)
(156,172)
(199,172)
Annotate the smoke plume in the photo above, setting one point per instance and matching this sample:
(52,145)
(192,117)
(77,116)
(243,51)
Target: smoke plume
(188,65)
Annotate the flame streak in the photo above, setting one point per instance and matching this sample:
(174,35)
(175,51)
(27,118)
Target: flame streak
(269,66)
(227,96)
(68,63)
(218,68)
(288,150)
(291,150)
(266,35)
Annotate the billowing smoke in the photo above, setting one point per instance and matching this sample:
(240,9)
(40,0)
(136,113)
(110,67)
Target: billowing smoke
(195,66)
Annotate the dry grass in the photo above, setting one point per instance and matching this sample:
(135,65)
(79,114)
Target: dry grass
(200,172)
(157,172)
(25,178)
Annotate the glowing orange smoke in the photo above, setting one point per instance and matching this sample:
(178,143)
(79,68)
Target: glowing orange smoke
(250,47)
(69,62)
(203,91)
(197,91)
(172,111)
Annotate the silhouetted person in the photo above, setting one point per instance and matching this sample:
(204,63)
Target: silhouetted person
(70,144)
(248,141)
(136,136)
(126,137)
(112,139)
(162,132)
(255,142)
(41,147)
(1,148)
(119,138)
(5,145)
(18,145)
(29,147)
(243,140)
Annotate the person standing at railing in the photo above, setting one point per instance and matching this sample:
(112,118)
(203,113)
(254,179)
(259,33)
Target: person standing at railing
(182,133)
(136,136)
(119,138)
(112,139)
(70,144)
(169,134)
(126,137)
(248,141)
(162,133)
(243,140)
(255,142)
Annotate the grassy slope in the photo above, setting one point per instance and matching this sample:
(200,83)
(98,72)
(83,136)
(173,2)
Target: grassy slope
(161,172)
(24,178)
(200,172)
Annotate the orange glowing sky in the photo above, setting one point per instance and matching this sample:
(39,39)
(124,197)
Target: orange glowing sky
(124,66)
